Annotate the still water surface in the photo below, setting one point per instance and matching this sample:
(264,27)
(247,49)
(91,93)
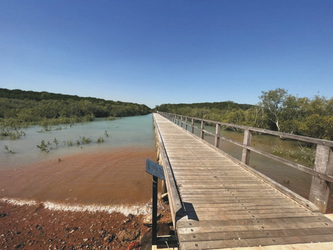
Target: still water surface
(111,173)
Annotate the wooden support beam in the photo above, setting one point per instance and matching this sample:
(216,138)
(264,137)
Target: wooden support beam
(320,189)
(202,135)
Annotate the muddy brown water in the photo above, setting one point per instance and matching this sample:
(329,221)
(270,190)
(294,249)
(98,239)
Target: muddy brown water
(104,178)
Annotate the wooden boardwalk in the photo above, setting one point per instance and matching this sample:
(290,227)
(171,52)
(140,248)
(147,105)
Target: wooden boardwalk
(225,205)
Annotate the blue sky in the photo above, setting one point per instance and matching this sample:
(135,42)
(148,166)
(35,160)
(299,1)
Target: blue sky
(168,51)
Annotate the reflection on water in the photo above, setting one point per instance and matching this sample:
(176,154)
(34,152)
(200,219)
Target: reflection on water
(110,173)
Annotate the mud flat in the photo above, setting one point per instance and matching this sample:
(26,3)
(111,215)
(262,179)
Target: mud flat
(36,227)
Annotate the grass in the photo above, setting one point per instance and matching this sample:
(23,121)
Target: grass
(304,155)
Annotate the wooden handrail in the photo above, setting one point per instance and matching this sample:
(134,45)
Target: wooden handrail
(260,130)
(176,205)
(322,174)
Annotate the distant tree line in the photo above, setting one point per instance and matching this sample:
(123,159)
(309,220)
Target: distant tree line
(18,107)
(276,110)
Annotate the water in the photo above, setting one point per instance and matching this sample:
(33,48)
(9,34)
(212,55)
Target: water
(134,131)
(109,174)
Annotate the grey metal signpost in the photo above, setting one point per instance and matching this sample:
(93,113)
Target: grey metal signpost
(157,172)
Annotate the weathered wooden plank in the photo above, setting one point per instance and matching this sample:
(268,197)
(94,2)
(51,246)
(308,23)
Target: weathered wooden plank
(218,173)
(233,192)
(235,201)
(255,234)
(241,206)
(202,215)
(255,242)
(231,225)
(244,209)
(225,193)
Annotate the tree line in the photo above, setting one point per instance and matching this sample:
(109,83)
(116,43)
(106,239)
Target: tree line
(18,107)
(276,110)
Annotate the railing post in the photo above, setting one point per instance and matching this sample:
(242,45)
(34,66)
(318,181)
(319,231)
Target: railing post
(154,215)
(181,121)
(246,142)
(202,135)
(186,122)
(320,189)
(192,125)
(217,135)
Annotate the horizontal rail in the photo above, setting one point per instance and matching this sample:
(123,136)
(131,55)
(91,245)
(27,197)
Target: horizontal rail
(292,164)
(323,170)
(263,131)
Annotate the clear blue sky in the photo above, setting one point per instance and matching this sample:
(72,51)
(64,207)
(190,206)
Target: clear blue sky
(168,51)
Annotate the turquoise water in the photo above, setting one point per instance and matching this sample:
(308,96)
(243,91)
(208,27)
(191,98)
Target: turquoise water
(134,131)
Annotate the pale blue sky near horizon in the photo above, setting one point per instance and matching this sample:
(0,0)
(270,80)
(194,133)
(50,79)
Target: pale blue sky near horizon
(168,51)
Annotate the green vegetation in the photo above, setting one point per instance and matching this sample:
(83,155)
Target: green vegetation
(23,108)
(12,133)
(304,155)
(277,110)
(46,147)
(100,140)
(43,146)
(8,150)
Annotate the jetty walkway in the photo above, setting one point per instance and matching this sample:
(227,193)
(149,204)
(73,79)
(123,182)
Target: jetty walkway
(217,202)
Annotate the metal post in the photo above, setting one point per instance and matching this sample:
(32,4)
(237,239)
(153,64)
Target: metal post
(154,213)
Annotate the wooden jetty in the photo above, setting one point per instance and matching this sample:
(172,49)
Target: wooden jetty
(218,202)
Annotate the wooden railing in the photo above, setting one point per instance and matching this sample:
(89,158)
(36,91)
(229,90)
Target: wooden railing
(176,205)
(323,168)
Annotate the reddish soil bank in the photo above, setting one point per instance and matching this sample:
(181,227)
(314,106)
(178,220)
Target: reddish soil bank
(35,227)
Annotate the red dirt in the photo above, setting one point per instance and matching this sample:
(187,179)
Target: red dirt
(35,227)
